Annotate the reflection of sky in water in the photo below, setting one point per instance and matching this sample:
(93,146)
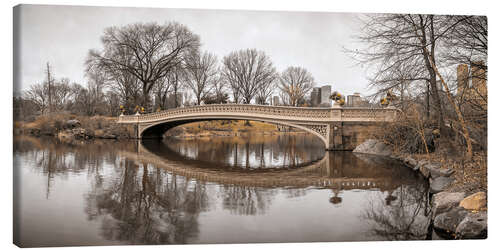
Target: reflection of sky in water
(92,194)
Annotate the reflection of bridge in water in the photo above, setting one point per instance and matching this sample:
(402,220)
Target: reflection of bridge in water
(338,171)
(339,128)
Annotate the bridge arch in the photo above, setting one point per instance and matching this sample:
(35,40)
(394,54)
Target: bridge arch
(158,128)
(339,128)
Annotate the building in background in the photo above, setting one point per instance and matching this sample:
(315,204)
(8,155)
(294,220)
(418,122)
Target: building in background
(326,91)
(472,87)
(315,97)
(354,100)
(276,101)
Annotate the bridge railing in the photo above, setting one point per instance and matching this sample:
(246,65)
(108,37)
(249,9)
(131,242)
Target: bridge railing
(323,114)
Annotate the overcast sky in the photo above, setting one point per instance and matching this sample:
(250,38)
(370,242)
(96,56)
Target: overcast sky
(63,35)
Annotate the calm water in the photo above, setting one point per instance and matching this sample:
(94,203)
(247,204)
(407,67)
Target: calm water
(220,190)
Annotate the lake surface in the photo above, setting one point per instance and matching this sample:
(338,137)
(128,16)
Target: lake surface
(254,188)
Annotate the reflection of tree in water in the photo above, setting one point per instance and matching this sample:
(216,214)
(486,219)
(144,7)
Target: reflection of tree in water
(247,200)
(403,214)
(55,158)
(146,205)
(136,204)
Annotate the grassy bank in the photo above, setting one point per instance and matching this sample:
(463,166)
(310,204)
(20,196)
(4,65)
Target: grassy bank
(100,127)
(81,127)
(222,128)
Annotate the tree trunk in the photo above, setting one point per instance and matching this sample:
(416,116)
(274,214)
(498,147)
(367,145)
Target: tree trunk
(145,96)
(430,61)
(461,119)
(428,102)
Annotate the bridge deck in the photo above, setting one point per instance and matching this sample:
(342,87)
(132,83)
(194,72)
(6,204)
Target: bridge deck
(248,111)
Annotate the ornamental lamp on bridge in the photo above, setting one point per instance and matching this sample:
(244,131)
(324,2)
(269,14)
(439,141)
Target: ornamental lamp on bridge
(137,110)
(338,99)
(384,102)
(388,99)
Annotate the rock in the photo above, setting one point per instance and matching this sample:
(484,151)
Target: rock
(416,167)
(81,133)
(476,201)
(439,184)
(374,147)
(437,171)
(473,226)
(450,220)
(410,162)
(445,201)
(72,123)
(434,171)
(446,172)
(425,171)
(422,162)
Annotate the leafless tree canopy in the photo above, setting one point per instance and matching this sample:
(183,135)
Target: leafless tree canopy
(201,73)
(264,93)
(416,54)
(467,42)
(247,71)
(295,83)
(146,51)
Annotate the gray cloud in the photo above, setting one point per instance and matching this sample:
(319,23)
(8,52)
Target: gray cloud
(62,35)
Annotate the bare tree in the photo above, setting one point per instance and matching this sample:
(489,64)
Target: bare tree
(50,97)
(175,79)
(125,85)
(147,51)
(38,94)
(405,49)
(265,92)
(247,71)
(201,73)
(49,82)
(81,100)
(467,45)
(467,42)
(219,88)
(96,97)
(112,103)
(61,94)
(161,91)
(295,83)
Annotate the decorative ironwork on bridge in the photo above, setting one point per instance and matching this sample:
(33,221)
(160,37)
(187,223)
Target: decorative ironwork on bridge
(325,123)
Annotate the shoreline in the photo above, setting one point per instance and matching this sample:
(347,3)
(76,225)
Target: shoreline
(456,213)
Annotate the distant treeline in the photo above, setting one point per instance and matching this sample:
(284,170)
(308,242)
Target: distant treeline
(152,66)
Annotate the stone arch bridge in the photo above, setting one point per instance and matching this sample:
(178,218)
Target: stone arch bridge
(339,128)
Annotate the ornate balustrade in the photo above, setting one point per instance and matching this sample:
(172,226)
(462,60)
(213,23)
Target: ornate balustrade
(269,112)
